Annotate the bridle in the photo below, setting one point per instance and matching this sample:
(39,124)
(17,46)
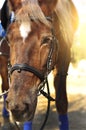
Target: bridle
(36,72)
(26,67)
(43,77)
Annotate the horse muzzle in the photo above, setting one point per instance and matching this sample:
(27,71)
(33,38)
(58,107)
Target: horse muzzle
(21,111)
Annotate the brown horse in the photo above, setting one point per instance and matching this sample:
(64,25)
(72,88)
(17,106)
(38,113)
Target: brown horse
(4,65)
(4,57)
(40,40)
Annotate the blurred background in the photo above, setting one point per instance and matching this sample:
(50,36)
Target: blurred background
(79,46)
(77,70)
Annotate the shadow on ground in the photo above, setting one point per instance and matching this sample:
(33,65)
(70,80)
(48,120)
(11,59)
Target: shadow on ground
(76,111)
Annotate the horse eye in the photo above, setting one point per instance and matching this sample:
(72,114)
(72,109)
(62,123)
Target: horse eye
(46,40)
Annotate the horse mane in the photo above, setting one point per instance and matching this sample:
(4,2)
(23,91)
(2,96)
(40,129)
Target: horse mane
(67,21)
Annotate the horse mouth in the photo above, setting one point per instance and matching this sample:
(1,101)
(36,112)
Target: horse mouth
(22,116)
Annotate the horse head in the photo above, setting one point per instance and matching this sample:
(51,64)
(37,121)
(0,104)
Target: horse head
(33,53)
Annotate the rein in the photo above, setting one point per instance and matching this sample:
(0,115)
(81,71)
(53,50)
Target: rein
(46,95)
(3,93)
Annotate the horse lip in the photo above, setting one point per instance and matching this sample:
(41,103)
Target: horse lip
(23,117)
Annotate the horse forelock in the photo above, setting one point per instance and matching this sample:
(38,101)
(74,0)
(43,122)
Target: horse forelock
(31,10)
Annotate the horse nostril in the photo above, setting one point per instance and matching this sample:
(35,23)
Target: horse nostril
(11,105)
(16,107)
(26,106)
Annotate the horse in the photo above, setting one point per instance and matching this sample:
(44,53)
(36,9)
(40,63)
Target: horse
(40,38)
(4,60)
(4,65)
(4,68)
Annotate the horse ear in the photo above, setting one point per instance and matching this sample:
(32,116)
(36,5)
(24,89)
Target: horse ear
(47,6)
(4,15)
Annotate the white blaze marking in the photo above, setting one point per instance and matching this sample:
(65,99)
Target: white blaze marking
(25,29)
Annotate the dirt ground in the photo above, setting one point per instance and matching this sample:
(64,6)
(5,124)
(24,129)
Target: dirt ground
(76,88)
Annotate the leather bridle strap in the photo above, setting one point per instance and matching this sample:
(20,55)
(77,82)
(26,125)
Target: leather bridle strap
(26,67)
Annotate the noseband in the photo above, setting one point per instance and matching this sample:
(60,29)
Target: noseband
(26,67)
